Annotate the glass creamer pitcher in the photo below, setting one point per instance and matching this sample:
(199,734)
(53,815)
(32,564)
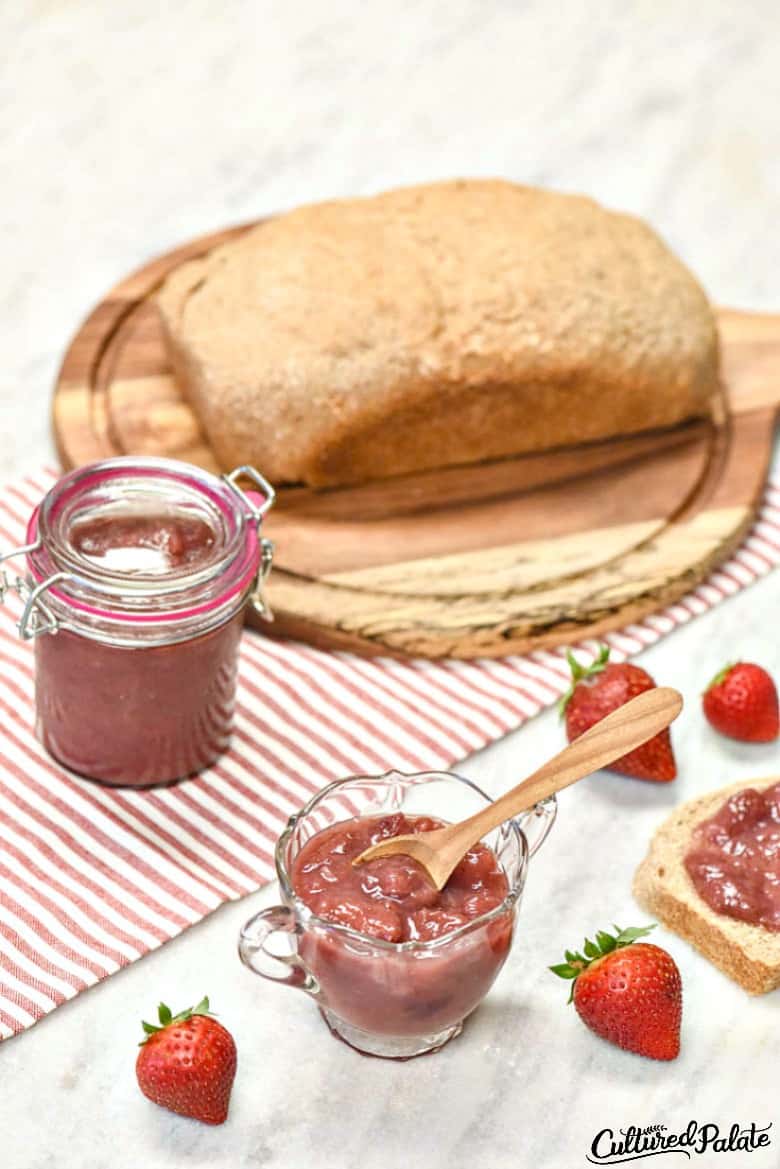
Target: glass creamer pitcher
(392,999)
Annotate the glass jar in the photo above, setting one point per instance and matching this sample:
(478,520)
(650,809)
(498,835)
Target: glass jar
(138,574)
(392,999)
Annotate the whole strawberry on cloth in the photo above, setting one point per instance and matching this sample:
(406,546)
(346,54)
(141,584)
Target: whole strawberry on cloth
(628,992)
(599,689)
(188,1063)
(741,702)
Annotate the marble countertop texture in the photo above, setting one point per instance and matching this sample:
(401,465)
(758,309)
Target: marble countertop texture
(129,128)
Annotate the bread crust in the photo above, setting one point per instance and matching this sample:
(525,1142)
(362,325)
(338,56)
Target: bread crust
(432,326)
(748,954)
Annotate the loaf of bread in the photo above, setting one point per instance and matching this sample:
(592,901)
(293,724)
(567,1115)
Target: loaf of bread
(750,954)
(432,326)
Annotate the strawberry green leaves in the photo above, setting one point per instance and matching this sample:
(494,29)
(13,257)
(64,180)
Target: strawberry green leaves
(719,677)
(166,1017)
(579,673)
(592,951)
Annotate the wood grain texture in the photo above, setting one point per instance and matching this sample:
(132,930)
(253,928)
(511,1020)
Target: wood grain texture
(463,562)
(622,731)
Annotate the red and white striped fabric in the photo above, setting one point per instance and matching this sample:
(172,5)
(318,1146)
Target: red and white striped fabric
(92,878)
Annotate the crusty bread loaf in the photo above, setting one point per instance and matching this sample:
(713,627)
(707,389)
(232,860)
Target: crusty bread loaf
(747,953)
(432,326)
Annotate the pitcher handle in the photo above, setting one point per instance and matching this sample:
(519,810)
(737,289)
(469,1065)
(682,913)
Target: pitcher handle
(537,822)
(288,969)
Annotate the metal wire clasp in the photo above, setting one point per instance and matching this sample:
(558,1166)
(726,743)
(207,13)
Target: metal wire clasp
(260,481)
(37,617)
(258,597)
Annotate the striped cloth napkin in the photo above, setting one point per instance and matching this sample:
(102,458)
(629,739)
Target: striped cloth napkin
(92,878)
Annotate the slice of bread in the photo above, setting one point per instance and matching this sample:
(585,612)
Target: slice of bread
(432,326)
(747,953)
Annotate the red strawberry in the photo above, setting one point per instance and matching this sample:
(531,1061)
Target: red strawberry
(741,702)
(188,1063)
(599,689)
(630,995)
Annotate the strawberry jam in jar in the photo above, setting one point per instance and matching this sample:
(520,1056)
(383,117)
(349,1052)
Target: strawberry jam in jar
(139,572)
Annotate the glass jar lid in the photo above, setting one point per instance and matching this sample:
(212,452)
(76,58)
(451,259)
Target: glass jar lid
(145,543)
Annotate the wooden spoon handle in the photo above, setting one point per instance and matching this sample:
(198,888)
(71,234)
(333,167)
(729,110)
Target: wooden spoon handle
(620,732)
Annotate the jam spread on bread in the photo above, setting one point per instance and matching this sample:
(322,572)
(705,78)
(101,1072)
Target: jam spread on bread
(734,858)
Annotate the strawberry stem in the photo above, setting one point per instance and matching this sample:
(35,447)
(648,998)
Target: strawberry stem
(580,673)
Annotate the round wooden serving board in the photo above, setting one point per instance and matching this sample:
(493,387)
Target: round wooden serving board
(464,562)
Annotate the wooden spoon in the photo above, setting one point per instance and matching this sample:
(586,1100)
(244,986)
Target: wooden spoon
(632,724)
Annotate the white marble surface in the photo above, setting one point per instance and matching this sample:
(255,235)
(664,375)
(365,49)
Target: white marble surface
(125,131)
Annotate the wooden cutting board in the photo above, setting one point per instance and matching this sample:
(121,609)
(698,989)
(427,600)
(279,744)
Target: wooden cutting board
(490,560)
